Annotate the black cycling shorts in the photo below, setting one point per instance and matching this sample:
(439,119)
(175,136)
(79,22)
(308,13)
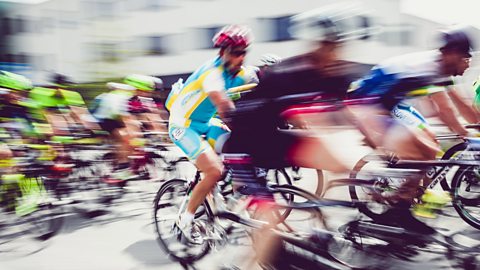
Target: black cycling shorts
(269,149)
(110,125)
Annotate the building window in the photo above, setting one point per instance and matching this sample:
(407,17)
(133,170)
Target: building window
(275,28)
(365,24)
(156,45)
(210,33)
(150,4)
(281,25)
(6,26)
(201,37)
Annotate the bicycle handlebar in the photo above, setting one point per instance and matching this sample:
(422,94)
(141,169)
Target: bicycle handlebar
(242,88)
(473,126)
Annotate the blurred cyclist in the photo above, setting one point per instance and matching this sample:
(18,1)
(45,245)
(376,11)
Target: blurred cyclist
(142,105)
(267,60)
(112,115)
(192,126)
(320,72)
(12,112)
(391,81)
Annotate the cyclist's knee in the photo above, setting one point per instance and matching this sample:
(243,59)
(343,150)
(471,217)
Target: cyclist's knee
(214,173)
(210,164)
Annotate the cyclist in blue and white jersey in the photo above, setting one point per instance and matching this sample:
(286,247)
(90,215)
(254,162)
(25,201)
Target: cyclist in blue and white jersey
(427,68)
(192,125)
(391,81)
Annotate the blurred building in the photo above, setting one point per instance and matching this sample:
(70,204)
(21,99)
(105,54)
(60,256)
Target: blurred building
(96,39)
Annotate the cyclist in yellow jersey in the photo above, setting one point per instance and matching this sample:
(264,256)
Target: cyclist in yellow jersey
(192,125)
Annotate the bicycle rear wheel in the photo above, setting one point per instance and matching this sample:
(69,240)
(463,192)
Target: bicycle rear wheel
(311,178)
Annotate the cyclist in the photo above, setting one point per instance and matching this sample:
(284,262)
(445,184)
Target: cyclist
(13,114)
(267,60)
(112,115)
(142,105)
(390,81)
(63,109)
(476,88)
(193,107)
(320,72)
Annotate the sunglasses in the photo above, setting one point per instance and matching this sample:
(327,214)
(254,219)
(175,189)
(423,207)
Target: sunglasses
(238,53)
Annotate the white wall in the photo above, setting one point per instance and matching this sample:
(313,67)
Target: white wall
(72,45)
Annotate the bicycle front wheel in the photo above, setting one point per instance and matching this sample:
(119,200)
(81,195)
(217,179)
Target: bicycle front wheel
(169,202)
(466,194)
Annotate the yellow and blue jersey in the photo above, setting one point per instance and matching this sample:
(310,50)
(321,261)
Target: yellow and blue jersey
(191,103)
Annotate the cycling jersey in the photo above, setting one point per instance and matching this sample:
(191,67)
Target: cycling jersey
(257,117)
(394,78)
(56,98)
(292,76)
(409,116)
(192,112)
(113,105)
(476,88)
(191,103)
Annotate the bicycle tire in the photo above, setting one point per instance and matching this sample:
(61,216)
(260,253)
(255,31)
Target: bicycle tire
(296,194)
(459,202)
(450,153)
(363,208)
(178,186)
(288,179)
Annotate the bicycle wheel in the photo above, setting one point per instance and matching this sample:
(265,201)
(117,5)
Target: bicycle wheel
(375,187)
(290,217)
(311,178)
(169,202)
(466,194)
(45,222)
(463,151)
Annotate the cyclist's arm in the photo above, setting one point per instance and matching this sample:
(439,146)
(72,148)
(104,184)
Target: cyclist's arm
(446,112)
(222,102)
(214,86)
(466,110)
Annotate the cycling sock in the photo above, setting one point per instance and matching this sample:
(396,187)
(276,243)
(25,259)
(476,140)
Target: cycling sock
(186,218)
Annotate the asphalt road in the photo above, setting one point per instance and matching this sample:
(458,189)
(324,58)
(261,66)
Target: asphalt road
(122,237)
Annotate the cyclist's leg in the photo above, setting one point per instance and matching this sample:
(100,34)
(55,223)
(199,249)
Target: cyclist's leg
(313,152)
(117,132)
(200,153)
(58,123)
(410,143)
(82,116)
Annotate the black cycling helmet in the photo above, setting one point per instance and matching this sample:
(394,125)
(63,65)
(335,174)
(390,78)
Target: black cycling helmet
(456,39)
(61,80)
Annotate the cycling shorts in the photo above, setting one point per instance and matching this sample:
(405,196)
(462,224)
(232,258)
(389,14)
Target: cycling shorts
(198,136)
(409,116)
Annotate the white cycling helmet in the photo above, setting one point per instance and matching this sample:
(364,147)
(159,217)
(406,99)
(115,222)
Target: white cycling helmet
(120,86)
(269,59)
(333,23)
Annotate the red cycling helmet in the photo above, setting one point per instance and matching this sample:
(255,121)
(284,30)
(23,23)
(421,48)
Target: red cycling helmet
(232,36)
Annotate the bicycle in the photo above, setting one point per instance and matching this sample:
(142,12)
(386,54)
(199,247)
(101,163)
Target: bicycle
(174,194)
(26,208)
